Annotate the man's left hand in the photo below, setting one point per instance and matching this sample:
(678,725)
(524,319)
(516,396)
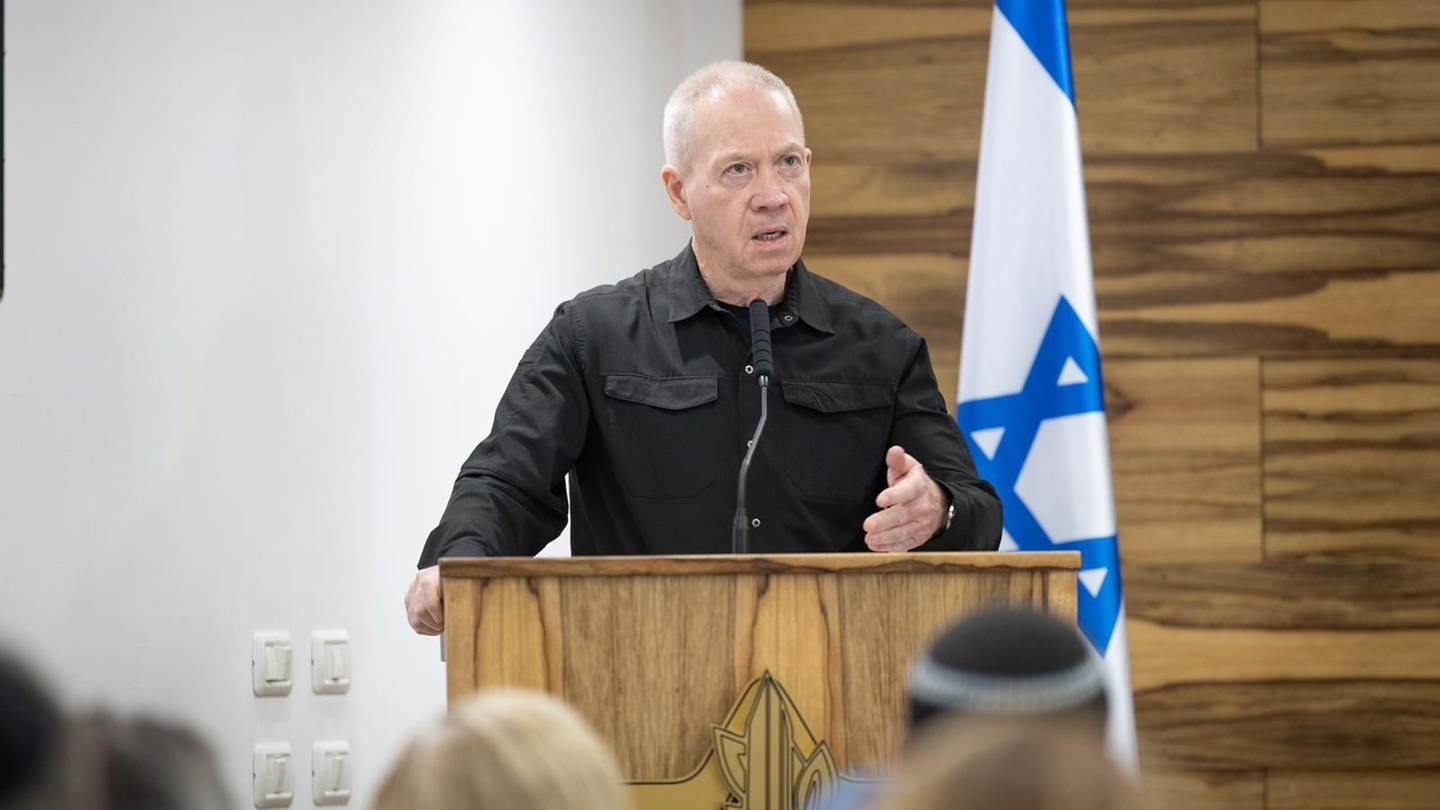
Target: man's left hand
(912,506)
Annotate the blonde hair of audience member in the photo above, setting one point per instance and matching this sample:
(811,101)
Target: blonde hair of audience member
(981,763)
(505,750)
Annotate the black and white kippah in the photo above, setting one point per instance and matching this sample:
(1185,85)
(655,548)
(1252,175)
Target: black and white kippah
(1007,661)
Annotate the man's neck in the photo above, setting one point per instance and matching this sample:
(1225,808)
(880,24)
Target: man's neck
(770,289)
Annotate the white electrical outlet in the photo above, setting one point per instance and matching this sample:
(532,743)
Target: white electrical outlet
(273,775)
(330,662)
(272,663)
(330,772)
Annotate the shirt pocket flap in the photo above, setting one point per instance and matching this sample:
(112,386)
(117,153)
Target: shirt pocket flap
(837,396)
(671,393)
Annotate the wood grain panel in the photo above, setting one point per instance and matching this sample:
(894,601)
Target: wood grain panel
(1352,457)
(460,599)
(1353,790)
(1163,655)
(1170,789)
(511,628)
(612,677)
(1287,595)
(1185,456)
(1363,725)
(1194,255)
(1351,72)
(1164,78)
(1252,254)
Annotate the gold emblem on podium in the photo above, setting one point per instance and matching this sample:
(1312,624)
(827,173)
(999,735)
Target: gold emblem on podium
(764,757)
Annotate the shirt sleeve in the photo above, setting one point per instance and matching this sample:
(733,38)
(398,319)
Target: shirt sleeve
(927,431)
(509,499)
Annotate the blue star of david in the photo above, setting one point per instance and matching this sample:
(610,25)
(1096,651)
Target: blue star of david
(1044,397)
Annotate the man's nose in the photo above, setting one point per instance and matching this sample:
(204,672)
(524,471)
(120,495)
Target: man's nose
(769,193)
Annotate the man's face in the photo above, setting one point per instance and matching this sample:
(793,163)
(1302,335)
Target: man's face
(747,189)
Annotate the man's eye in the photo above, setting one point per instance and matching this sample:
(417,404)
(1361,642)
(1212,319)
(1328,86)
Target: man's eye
(737,168)
(790,161)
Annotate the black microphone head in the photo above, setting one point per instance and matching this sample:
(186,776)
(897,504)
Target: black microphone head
(760,353)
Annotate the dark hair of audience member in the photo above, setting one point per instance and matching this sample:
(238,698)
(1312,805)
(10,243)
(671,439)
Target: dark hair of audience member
(140,763)
(31,736)
(1008,662)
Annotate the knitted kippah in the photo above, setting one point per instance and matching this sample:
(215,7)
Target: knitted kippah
(1007,661)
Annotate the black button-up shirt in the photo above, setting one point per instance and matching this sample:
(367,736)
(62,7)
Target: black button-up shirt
(638,391)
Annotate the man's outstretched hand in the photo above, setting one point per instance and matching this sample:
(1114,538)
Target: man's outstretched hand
(912,506)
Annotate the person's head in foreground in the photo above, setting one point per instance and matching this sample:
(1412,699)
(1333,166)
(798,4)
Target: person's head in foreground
(1009,662)
(1009,763)
(505,749)
(31,734)
(118,762)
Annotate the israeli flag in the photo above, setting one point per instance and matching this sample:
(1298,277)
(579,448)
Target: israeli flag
(1032,406)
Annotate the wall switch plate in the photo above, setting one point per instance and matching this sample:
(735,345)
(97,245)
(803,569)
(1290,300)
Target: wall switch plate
(330,772)
(272,663)
(273,775)
(330,662)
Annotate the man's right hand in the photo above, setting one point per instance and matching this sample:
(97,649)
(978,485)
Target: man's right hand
(423,603)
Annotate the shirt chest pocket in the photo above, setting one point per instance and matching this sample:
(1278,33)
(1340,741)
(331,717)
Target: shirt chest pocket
(661,433)
(835,436)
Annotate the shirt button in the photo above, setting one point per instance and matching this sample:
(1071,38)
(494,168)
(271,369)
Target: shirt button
(749,369)
(755,522)
(787,317)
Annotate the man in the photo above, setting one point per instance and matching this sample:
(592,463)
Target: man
(642,393)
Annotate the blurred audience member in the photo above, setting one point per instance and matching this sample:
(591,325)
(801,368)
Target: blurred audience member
(975,763)
(1010,662)
(140,763)
(1005,663)
(96,761)
(31,736)
(505,750)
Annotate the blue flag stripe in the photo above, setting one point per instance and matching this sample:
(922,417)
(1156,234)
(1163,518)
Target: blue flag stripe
(1041,24)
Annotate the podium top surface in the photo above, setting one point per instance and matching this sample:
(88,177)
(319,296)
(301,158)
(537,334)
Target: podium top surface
(705,564)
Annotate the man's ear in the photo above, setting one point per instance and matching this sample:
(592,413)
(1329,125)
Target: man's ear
(675,190)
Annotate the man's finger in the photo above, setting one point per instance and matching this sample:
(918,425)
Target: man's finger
(899,538)
(907,489)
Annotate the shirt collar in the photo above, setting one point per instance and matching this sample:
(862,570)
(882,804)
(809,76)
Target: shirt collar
(688,294)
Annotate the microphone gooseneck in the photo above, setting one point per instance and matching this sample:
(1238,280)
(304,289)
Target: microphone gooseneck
(763,362)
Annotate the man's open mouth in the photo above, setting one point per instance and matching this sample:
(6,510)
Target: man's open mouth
(770,236)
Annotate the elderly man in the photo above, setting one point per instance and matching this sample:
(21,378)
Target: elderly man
(642,391)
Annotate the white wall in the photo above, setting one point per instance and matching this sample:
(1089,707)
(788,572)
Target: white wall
(269,267)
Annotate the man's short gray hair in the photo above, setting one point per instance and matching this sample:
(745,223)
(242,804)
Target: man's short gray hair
(708,82)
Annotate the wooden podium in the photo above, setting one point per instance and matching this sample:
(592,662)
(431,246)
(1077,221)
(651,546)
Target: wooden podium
(696,669)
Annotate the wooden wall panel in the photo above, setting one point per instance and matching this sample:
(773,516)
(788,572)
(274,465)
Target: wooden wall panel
(1349,72)
(1169,789)
(1343,790)
(1301,726)
(1352,457)
(1250,254)
(1289,595)
(1186,467)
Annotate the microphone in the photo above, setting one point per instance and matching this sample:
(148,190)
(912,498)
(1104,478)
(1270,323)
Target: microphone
(760,356)
(764,364)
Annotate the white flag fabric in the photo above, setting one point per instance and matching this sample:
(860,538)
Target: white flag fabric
(1032,404)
